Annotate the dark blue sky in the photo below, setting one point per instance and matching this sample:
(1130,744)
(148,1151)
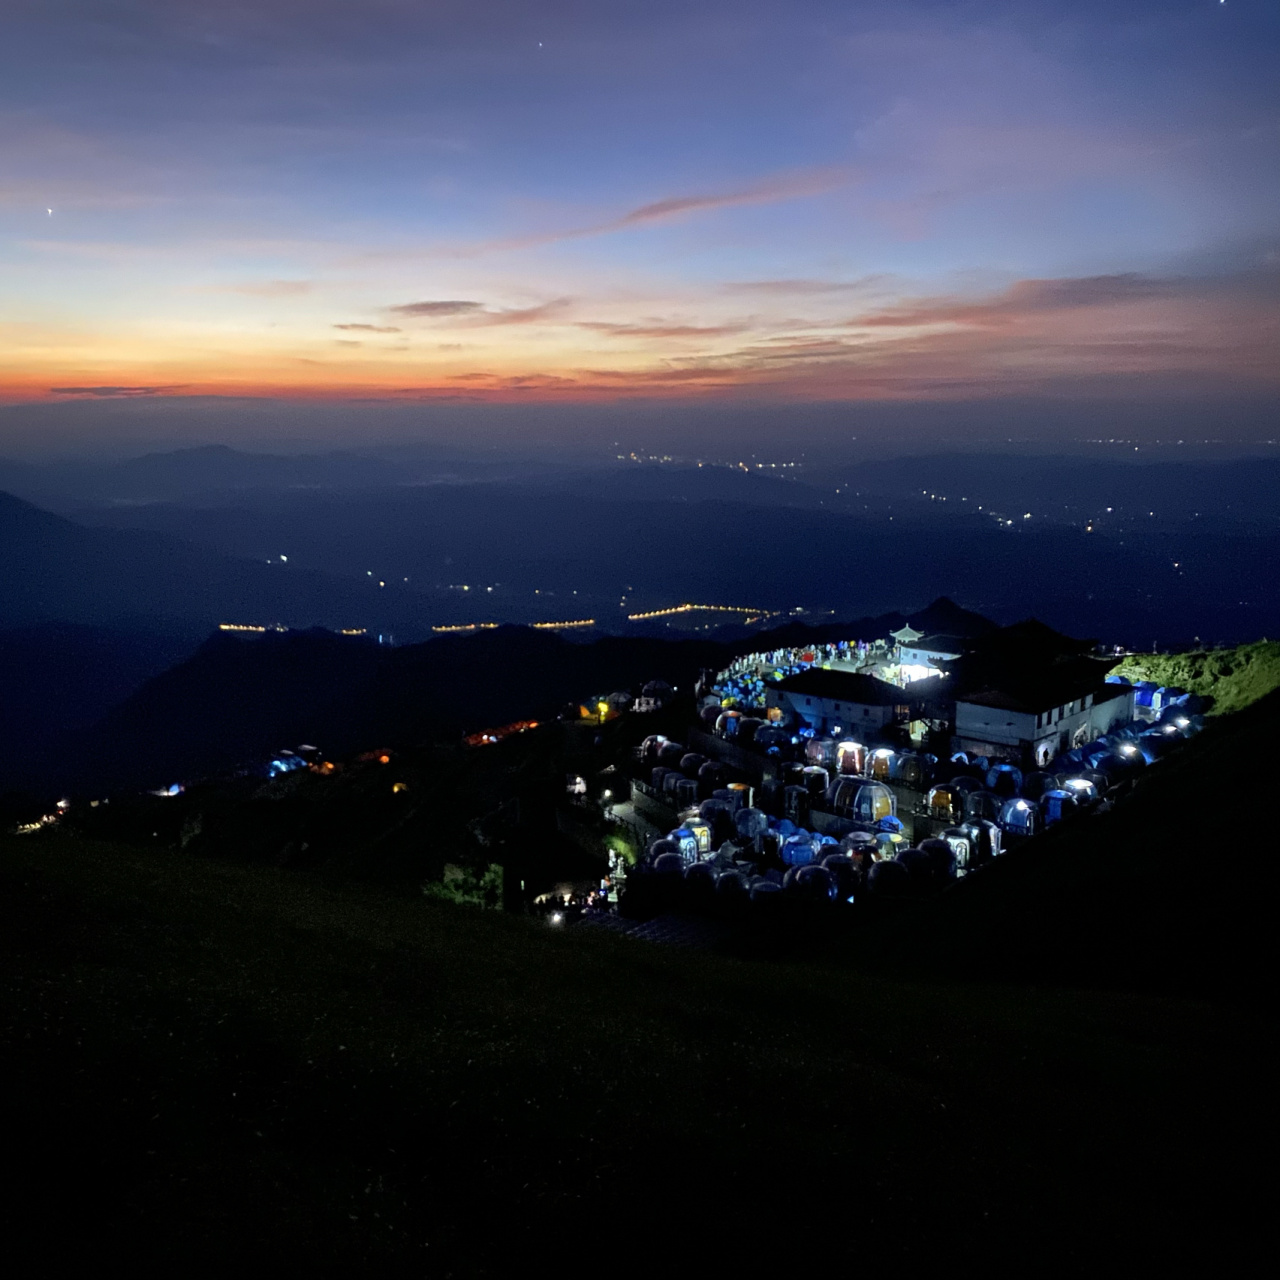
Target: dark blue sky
(586,201)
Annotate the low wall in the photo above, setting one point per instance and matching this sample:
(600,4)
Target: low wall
(751,763)
(651,807)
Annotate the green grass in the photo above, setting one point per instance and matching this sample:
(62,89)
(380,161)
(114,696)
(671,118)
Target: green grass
(211,1065)
(1233,678)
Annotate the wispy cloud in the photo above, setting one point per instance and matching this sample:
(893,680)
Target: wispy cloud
(770,190)
(1024,299)
(658,329)
(430,310)
(369,328)
(477,315)
(812,288)
(116,393)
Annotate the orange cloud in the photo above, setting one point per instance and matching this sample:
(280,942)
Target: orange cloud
(1048,336)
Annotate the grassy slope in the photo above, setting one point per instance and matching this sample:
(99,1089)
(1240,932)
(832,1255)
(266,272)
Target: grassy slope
(1234,678)
(209,1063)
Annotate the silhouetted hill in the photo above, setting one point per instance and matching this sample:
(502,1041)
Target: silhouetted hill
(945,617)
(53,570)
(238,698)
(57,676)
(1171,889)
(191,473)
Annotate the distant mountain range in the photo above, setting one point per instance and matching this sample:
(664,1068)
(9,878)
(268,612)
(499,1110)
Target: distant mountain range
(54,570)
(188,474)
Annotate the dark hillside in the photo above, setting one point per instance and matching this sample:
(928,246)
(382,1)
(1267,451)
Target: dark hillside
(211,1066)
(53,570)
(1172,889)
(58,676)
(239,696)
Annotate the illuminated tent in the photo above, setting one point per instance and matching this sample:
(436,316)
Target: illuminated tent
(946,803)
(797,850)
(984,841)
(960,846)
(727,723)
(687,842)
(983,804)
(1084,791)
(1004,779)
(851,797)
(1019,817)
(815,780)
(889,844)
(1056,805)
(880,765)
(820,751)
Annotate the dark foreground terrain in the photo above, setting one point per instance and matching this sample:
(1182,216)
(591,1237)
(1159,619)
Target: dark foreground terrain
(211,1065)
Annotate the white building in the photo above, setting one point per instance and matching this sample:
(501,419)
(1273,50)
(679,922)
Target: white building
(838,702)
(1033,726)
(925,656)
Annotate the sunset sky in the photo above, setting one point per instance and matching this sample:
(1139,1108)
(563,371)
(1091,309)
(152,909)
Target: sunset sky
(406,199)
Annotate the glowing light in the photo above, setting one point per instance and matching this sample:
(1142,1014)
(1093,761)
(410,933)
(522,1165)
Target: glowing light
(692,608)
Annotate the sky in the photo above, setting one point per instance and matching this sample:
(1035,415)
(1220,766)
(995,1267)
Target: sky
(595,202)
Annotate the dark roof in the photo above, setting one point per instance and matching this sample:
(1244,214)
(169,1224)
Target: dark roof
(942,644)
(934,697)
(844,686)
(1041,691)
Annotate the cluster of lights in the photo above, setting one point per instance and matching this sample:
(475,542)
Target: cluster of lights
(247,626)
(469,626)
(490,736)
(692,608)
(561,626)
